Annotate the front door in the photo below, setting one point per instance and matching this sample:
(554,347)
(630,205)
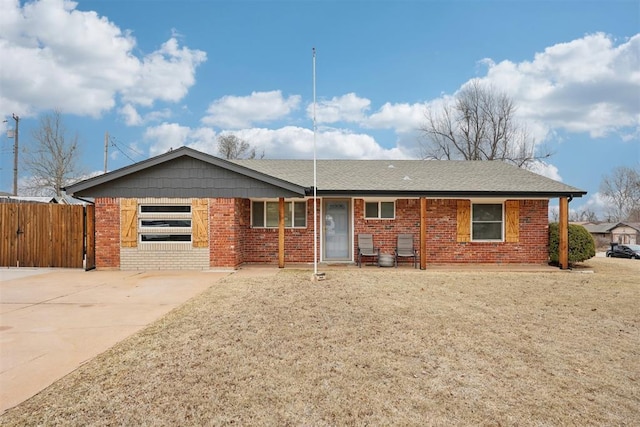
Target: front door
(336,223)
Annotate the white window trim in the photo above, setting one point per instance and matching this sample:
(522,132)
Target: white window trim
(502,227)
(379,202)
(292,212)
(164,230)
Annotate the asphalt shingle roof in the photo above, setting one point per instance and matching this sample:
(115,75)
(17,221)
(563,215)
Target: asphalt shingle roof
(604,227)
(410,175)
(423,178)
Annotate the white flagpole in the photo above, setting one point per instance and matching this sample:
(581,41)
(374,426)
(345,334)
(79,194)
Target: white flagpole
(315,200)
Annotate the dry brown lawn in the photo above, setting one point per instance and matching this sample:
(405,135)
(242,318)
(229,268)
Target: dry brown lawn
(373,346)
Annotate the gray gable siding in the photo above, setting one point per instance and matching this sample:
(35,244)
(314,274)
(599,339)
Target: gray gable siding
(186,177)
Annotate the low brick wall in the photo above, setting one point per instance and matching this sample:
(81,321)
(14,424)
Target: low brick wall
(165,259)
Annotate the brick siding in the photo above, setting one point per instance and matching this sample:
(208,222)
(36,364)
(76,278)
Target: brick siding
(441,227)
(107,218)
(233,241)
(261,244)
(385,231)
(226,232)
(442,247)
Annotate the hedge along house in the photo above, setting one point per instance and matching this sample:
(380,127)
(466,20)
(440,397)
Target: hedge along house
(189,210)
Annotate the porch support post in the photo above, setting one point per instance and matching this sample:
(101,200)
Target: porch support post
(423,233)
(281,232)
(563,231)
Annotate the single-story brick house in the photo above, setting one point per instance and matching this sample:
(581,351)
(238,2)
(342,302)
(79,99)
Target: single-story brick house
(188,209)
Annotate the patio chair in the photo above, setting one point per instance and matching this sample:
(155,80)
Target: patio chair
(404,249)
(366,248)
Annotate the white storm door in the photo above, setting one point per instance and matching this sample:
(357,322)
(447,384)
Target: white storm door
(336,223)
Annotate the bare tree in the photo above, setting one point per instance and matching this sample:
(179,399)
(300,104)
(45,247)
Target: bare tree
(634,215)
(232,147)
(52,157)
(622,191)
(478,124)
(584,214)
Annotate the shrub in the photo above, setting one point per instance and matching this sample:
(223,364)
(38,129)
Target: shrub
(581,243)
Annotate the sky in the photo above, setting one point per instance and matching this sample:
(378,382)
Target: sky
(160,74)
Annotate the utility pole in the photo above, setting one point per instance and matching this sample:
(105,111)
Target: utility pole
(15,154)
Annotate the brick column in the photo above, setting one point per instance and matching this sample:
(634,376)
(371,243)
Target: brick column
(107,232)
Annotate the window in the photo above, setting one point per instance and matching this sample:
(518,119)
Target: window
(379,210)
(486,221)
(165,209)
(165,223)
(266,214)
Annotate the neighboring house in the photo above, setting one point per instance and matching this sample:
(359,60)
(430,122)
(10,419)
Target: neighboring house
(28,199)
(188,209)
(601,232)
(625,233)
(605,233)
(62,200)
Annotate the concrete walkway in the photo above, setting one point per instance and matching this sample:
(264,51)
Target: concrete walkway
(54,320)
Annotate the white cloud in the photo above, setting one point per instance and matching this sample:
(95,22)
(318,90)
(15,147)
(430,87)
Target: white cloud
(166,74)
(545,169)
(81,62)
(157,115)
(339,143)
(289,142)
(130,115)
(400,117)
(345,108)
(350,108)
(237,112)
(586,85)
(203,139)
(165,137)
(598,203)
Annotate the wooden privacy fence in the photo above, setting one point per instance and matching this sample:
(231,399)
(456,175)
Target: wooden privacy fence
(46,235)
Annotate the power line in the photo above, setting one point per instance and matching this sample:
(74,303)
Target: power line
(116,144)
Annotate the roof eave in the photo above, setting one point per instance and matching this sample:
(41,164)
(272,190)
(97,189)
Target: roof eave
(449,194)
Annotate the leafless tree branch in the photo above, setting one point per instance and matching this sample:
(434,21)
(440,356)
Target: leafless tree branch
(480,124)
(232,147)
(622,190)
(52,156)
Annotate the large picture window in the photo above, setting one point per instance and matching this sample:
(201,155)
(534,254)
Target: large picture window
(487,221)
(266,214)
(165,223)
(379,210)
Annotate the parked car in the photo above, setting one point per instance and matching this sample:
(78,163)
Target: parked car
(624,251)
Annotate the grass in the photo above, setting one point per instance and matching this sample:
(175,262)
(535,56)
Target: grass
(373,347)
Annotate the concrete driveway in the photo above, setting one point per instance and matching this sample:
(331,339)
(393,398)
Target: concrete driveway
(54,320)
